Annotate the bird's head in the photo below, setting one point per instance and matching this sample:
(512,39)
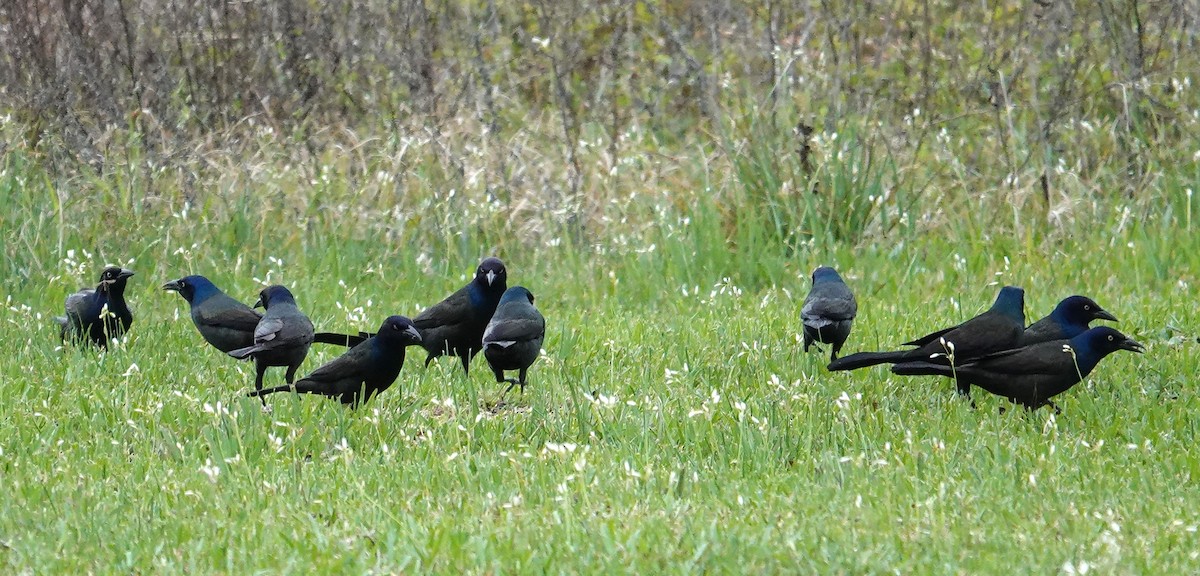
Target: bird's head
(825,274)
(492,274)
(1011,303)
(1098,342)
(517,294)
(1080,310)
(272,295)
(114,276)
(194,289)
(400,329)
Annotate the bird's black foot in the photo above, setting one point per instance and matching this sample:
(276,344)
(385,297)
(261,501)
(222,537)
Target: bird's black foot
(511,383)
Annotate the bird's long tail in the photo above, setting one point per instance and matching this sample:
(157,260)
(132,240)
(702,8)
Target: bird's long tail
(864,359)
(63,326)
(243,353)
(925,368)
(265,391)
(347,340)
(300,387)
(922,368)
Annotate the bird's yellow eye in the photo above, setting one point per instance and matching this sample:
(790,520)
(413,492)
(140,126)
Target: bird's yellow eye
(1087,307)
(1110,337)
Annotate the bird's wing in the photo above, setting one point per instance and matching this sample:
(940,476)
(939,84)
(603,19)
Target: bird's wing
(297,328)
(828,310)
(515,330)
(77,303)
(931,337)
(455,309)
(348,366)
(241,317)
(1043,330)
(1049,358)
(268,328)
(983,334)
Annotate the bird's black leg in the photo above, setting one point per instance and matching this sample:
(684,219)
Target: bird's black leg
(260,368)
(511,383)
(500,378)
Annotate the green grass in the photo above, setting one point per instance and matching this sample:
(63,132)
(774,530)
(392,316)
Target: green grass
(639,169)
(673,424)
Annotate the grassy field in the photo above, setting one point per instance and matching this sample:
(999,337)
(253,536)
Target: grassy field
(672,426)
(663,177)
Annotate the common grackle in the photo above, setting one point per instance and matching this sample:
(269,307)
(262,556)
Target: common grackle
(224,322)
(362,372)
(1069,319)
(1032,375)
(828,311)
(999,328)
(98,314)
(454,326)
(513,338)
(281,338)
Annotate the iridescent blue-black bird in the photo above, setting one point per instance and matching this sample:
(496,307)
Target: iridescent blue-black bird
(828,311)
(224,322)
(1032,375)
(281,338)
(513,338)
(1068,320)
(362,372)
(454,326)
(999,328)
(98,314)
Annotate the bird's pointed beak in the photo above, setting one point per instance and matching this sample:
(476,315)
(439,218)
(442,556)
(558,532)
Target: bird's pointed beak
(1105,315)
(172,285)
(1132,345)
(125,273)
(259,303)
(414,333)
(491,276)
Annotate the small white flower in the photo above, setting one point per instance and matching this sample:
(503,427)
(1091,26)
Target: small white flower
(210,470)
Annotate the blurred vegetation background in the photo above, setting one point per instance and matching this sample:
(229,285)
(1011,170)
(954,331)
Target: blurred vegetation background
(603,125)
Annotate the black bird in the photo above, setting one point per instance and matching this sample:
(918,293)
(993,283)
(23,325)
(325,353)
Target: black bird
(513,338)
(224,322)
(86,307)
(1068,320)
(281,338)
(1032,375)
(828,311)
(454,326)
(364,371)
(999,328)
